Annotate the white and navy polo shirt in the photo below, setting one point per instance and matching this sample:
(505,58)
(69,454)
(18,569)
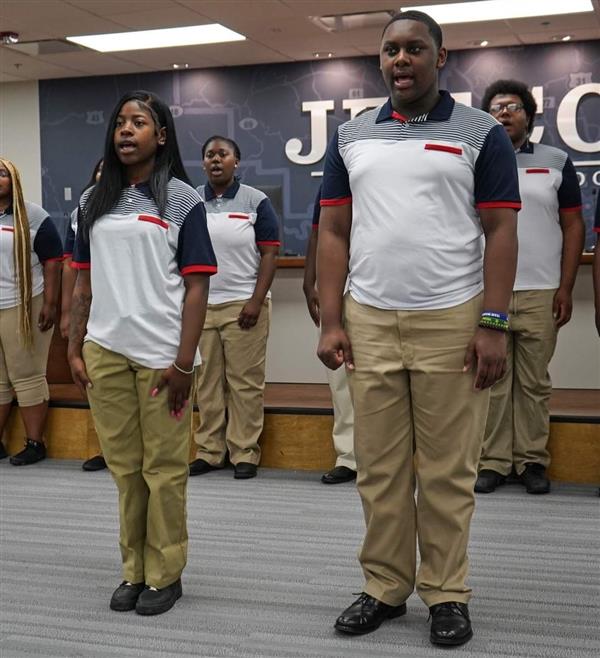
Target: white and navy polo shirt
(45,247)
(415,186)
(71,233)
(138,259)
(548,184)
(238,221)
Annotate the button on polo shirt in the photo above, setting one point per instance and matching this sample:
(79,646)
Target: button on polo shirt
(415,187)
(138,257)
(549,185)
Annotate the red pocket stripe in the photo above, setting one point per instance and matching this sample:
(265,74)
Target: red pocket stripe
(442,147)
(153,220)
(10,229)
(539,170)
(238,215)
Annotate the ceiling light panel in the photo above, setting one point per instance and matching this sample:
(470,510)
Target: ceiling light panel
(495,10)
(192,35)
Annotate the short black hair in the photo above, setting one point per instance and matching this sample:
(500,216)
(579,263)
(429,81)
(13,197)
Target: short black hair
(231,142)
(413,15)
(514,88)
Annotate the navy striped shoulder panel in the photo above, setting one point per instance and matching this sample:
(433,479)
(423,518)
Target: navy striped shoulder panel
(181,199)
(466,124)
(543,157)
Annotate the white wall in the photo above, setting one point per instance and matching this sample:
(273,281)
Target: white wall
(20,134)
(292,356)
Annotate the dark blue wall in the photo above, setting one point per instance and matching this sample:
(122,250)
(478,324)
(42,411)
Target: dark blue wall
(260,107)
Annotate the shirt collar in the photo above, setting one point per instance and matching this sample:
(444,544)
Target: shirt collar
(441,111)
(230,192)
(526,147)
(143,187)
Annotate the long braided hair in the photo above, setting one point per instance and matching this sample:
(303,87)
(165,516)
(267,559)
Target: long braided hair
(21,253)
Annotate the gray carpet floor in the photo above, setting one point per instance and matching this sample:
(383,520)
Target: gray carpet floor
(272,561)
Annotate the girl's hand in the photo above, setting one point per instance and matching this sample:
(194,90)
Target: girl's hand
(47,316)
(178,388)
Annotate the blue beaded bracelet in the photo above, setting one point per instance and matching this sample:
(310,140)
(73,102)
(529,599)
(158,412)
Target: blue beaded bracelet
(494,314)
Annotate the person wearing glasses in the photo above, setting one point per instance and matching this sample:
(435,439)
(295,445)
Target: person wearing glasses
(551,235)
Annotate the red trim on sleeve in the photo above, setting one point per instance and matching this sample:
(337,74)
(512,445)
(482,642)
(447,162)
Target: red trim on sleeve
(499,204)
(571,209)
(196,269)
(10,229)
(53,260)
(238,215)
(315,227)
(443,147)
(80,266)
(68,255)
(344,201)
(537,170)
(272,243)
(596,229)
(153,220)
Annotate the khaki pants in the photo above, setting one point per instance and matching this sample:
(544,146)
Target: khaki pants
(147,453)
(21,369)
(518,423)
(417,421)
(231,385)
(343,418)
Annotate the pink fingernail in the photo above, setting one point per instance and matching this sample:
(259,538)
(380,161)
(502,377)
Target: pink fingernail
(154,392)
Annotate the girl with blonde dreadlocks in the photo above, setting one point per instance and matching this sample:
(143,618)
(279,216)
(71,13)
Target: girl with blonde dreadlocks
(30,264)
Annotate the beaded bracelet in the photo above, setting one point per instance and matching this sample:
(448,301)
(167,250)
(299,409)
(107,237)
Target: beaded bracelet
(498,324)
(181,370)
(495,314)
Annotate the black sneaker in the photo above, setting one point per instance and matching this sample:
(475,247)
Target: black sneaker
(34,452)
(125,596)
(535,480)
(201,466)
(154,601)
(96,463)
(488,480)
(3,453)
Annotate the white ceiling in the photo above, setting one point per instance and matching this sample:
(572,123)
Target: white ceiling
(276,31)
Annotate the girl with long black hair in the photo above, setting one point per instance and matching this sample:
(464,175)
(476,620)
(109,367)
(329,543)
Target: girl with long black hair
(144,256)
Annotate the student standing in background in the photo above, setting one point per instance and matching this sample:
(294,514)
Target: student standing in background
(343,414)
(30,264)
(69,275)
(551,234)
(245,234)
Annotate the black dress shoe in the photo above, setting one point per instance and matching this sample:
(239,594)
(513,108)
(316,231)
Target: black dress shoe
(125,596)
(244,471)
(450,623)
(488,480)
(3,453)
(154,601)
(34,452)
(201,466)
(338,475)
(534,478)
(367,614)
(97,463)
